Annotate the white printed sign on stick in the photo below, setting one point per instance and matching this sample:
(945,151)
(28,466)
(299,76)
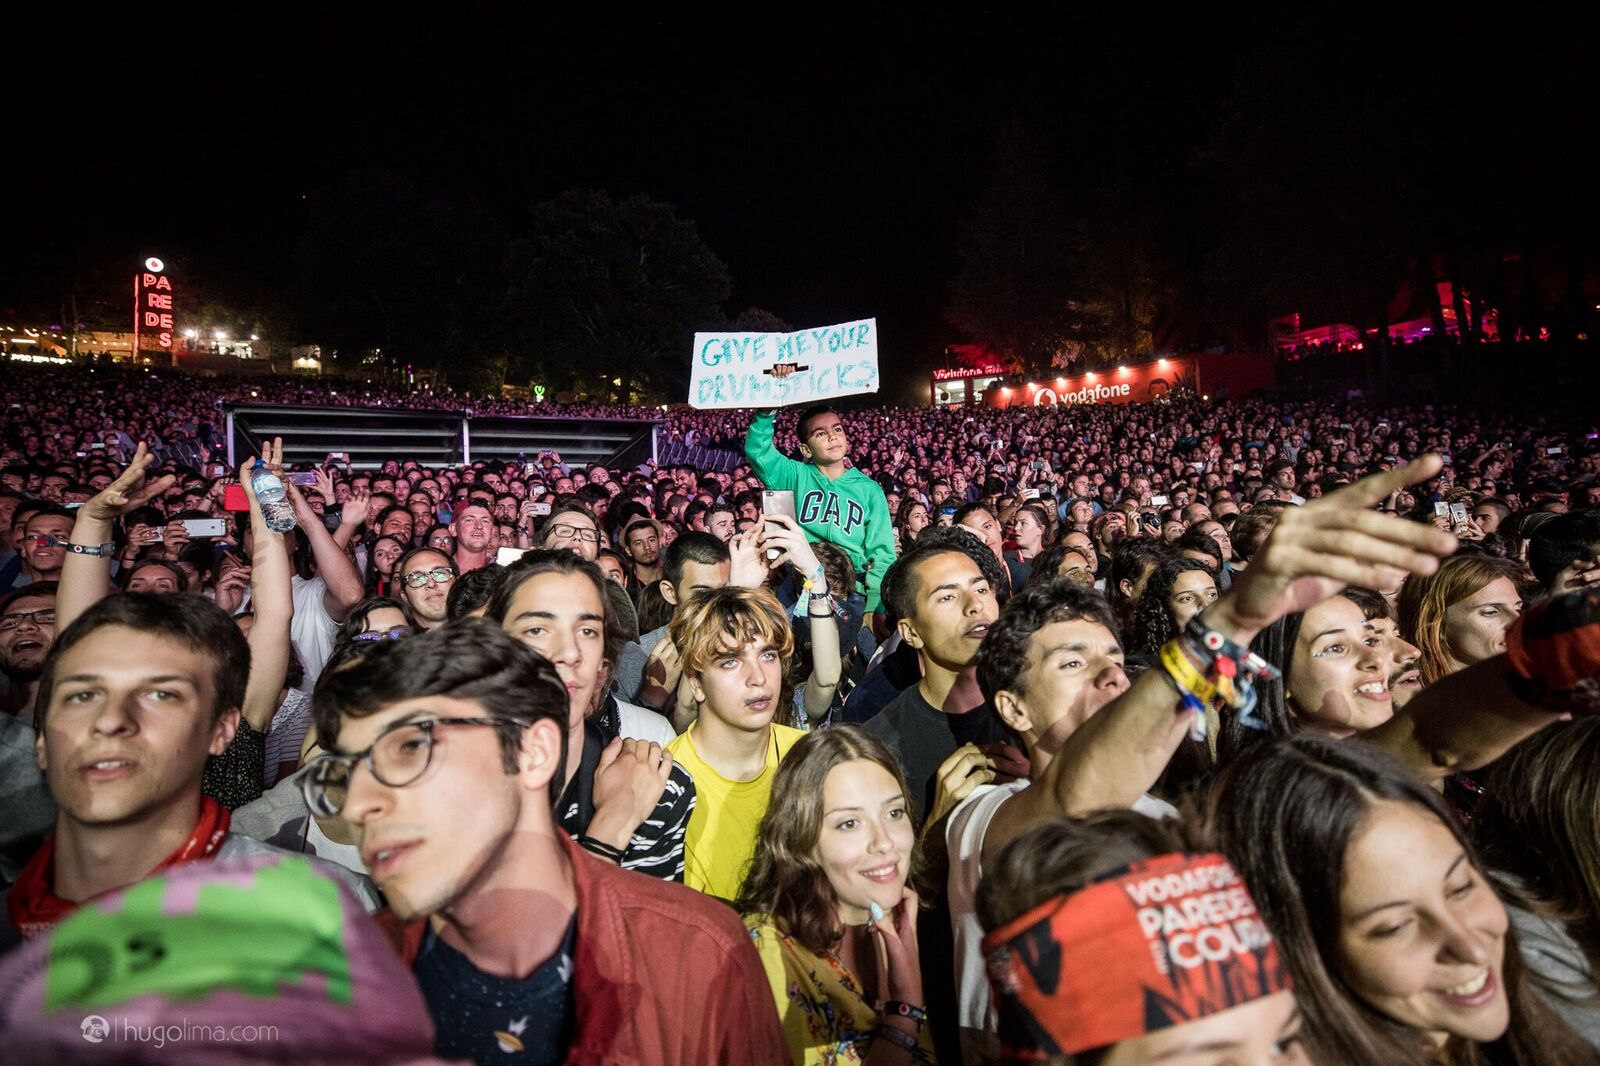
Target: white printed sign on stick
(735,369)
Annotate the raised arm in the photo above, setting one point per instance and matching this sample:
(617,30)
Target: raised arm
(272,603)
(826,664)
(337,569)
(1315,550)
(772,467)
(1474,716)
(86,578)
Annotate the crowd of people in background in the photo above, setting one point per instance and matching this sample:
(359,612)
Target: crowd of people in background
(1204,733)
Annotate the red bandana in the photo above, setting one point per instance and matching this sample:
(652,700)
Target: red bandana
(1165,942)
(33,907)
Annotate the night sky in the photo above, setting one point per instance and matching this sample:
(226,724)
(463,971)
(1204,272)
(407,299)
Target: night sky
(828,166)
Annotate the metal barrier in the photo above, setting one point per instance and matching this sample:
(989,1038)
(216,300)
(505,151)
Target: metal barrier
(433,438)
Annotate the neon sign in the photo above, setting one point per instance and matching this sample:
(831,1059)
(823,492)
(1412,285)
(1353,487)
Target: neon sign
(962,372)
(152,306)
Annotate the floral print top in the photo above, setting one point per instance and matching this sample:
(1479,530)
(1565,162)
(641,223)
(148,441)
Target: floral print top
(826,1017)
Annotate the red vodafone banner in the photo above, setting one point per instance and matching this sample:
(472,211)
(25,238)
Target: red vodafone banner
(1127,384)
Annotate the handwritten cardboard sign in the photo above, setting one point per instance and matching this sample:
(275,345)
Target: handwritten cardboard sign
(734,369)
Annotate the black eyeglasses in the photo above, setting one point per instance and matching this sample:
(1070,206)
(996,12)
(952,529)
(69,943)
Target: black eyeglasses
(44,617)
(439,575)
(398,757)
(563,531)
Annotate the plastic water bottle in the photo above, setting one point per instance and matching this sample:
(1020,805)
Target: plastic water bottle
(275,506)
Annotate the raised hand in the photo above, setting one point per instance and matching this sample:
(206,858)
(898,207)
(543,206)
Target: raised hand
(784,534)
(749,563)
(628,784)
(129,492)
(1334,541)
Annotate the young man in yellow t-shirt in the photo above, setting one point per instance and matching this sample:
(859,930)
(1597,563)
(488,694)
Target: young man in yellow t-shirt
(735,645)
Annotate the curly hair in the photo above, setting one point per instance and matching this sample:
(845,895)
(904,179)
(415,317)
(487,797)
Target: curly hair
(785,878)
(1152,618)
(1003,656)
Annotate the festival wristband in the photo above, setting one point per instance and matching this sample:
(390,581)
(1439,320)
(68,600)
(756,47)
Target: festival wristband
(905,1010)
(902,1040)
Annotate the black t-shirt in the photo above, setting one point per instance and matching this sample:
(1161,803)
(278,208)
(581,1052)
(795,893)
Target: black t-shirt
(924,736)
(496,1019)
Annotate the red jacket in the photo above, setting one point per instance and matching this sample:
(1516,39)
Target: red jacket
(663,975)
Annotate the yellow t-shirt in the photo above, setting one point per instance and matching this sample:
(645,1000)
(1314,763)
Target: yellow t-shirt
(721,838)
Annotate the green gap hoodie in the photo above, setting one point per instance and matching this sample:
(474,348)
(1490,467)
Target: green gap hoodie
(851,512)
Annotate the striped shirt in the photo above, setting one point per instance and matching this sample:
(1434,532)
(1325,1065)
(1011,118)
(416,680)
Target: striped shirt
(656,849)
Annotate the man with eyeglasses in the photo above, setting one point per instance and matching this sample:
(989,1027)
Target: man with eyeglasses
(571,528)
(446,751)
(132,701)
(425,579)
(27,629)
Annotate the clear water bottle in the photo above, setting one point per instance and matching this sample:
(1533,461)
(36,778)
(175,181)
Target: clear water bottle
(275,506)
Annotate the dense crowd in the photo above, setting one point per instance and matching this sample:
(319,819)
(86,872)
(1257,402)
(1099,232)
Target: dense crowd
(1249,732)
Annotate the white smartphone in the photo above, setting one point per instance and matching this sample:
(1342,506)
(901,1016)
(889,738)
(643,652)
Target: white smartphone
(780,502)
(507,556)
(205,527)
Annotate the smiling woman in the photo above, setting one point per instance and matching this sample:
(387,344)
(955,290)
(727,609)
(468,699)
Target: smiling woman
(831,903)
(1400,950)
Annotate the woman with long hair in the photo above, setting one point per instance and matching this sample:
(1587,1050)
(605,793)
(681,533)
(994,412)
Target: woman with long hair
(1459,614)
(381,559)
(1538,826)
(831,905)
(1176,591)
(910,519)
(1030,527)
(1401,952)
(1335,669)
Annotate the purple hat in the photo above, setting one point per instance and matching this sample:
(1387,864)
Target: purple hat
(232,961)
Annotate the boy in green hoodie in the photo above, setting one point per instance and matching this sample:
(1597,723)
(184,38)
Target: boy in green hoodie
(834,502)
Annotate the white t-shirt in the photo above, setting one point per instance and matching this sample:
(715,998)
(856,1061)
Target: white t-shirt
(346,855)
(640,723)
(313,629)
(964,834)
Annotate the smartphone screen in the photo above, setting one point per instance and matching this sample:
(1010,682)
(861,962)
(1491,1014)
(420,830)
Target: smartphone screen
(507,556)
(304,479)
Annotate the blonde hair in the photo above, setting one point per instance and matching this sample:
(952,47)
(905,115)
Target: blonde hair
(1424,600)
(719,621)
